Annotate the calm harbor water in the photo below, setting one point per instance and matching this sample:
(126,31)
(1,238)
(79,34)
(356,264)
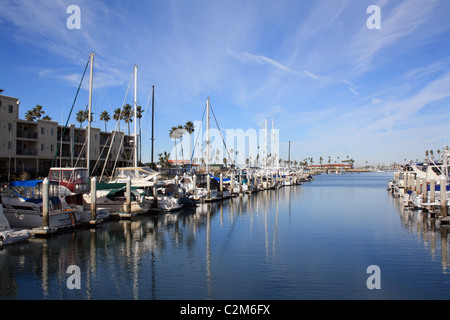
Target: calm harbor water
(313,241)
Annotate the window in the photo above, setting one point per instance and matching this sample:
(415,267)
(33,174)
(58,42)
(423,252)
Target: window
(10,108)
(42,147)
(52,132)
(10,125)
(42,130)
(51,147)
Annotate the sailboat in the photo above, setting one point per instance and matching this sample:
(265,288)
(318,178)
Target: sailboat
(73,184)
(74,181)
(142,177)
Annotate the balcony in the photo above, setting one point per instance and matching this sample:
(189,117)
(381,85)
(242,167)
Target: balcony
(26,152)
(26,135)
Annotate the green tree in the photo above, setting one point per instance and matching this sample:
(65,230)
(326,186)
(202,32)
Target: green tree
(128,114)
(104,116)
(174,135)
(164,159)
(38,112)
(81,116)
(189,127)
(139,113)
(181,131)
(30,116)
(47,117)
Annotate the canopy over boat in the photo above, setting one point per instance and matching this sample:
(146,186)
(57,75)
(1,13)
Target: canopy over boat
(30,191)
(135,173)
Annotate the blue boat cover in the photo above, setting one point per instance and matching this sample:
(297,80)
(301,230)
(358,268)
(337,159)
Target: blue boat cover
(218,179)
(26,183)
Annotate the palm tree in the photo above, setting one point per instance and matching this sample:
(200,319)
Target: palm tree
(47,117)
(30,116)
(128,114)
(38,112)
(164,159)
(173,135)
(81,117)
(104,116)
(189,127)
(139,112)
(180,132)
(118,115)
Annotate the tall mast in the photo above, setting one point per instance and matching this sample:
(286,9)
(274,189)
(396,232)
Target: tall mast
(207,137)
(273,144)
(153,117)
(88,152)
(135,116)
(289,155)
(265,143)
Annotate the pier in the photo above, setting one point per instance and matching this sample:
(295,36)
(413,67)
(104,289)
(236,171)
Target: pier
(422,191)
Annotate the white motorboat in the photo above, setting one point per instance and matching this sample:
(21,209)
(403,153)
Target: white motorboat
(113,197)
(144,179)
(10,236)
(23,205)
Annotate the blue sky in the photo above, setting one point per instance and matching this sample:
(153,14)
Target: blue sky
(331,85)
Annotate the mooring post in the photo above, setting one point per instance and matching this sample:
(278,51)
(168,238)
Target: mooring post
(232,183)
(240,183)
(432,190)
(155,191)
(418,188)
(221,184)
(45,199)
(443,188)
(93,198)
(194,182)
(128,196)
(176,186)
(208,186)
(424,190)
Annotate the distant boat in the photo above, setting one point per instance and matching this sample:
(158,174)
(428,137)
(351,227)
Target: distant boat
(113,197)
(73,183)
(143,178)
(23,205)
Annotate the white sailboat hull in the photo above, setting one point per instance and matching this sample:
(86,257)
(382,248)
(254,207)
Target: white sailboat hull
(114,207)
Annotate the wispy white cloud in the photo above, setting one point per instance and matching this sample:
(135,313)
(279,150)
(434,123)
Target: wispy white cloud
(260,59)
(312,66)
(404,19)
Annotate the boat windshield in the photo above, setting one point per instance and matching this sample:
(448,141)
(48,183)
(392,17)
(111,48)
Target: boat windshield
(30,193)
(76,179)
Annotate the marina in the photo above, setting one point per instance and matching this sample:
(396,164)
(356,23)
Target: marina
(309,241)
(207,152)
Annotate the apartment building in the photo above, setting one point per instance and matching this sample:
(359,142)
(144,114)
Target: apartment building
(33,146)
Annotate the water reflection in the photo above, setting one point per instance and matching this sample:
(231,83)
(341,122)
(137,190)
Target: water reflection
(428,229)
(129,259)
